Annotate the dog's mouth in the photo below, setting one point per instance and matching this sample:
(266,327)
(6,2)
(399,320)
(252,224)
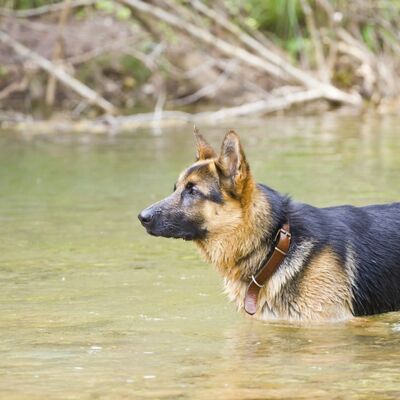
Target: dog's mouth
(167,235)
(187,236)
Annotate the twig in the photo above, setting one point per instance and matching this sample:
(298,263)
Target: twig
(203,66)
(254,44)
(245,38)
(209,89)
(124,46)
(169,118)
(331,58)
(14,87)
(315,37)
(57,53)
(263,106)
(329,92)
(158,110)
(96,52)
(206,37)
(50,8)
(59,73)
(328,9)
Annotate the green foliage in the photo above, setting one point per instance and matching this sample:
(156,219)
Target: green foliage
(106,5)
(134,67)
(111,7)
(282,17)
(283,20)
(297,45)
(25,4)
(3,71)
(368,34)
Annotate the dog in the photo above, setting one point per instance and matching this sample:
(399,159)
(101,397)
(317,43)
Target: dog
(338,262)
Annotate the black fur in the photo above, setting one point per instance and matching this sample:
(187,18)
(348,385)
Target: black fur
(215,195)
(370,235)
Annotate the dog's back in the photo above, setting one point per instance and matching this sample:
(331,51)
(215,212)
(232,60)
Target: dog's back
(372,233)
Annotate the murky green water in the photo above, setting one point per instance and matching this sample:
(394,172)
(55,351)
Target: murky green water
(93,308)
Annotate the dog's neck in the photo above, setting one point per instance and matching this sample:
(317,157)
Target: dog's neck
(239,250)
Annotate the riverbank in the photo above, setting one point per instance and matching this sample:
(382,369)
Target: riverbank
(102,60)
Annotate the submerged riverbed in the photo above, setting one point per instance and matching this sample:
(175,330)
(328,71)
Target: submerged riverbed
(93,308)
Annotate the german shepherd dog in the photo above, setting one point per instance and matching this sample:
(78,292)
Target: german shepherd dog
(342,261)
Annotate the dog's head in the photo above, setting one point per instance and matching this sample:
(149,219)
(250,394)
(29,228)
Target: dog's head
(208,197)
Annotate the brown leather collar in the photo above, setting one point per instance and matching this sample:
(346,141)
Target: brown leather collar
(258,280)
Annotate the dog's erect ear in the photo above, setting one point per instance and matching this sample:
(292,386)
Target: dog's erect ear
(232,162)
(204,150)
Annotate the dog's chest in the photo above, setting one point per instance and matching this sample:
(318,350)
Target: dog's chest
(300,289)
(268,306)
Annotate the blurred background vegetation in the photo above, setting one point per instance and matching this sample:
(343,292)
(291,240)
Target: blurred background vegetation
(248,56)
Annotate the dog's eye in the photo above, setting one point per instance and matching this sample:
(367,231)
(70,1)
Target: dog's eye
(190,188)
(174,187)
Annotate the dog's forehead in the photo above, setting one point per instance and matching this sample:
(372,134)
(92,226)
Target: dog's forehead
(198,171)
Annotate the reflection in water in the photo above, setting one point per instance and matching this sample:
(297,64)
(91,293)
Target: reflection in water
(92,307)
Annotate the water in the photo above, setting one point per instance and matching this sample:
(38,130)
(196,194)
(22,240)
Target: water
(93,308)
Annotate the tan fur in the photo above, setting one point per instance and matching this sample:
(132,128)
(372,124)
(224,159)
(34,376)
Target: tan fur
(350,266)
(234,231)
(301,289)
(204,150)
(322,292)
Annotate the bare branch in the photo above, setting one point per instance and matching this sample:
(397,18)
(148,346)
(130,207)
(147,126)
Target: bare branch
(58,52)
(209,89)
(49,8)
(315,37)
(330,92)
(248,40)
(288,69)
(170,118)
(14,87)
(59,73)
(263,106)
(206,37)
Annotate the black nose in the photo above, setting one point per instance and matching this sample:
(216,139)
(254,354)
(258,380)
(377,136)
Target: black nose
(146,216)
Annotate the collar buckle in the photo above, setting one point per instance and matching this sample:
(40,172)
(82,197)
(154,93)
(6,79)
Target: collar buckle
(283,231)
(254,280)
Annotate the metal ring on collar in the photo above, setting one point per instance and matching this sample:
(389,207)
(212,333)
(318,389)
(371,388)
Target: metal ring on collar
(254,280)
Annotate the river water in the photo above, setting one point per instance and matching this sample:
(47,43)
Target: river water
(93,308)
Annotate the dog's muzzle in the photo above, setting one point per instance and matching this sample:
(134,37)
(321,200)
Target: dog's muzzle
(169,223)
